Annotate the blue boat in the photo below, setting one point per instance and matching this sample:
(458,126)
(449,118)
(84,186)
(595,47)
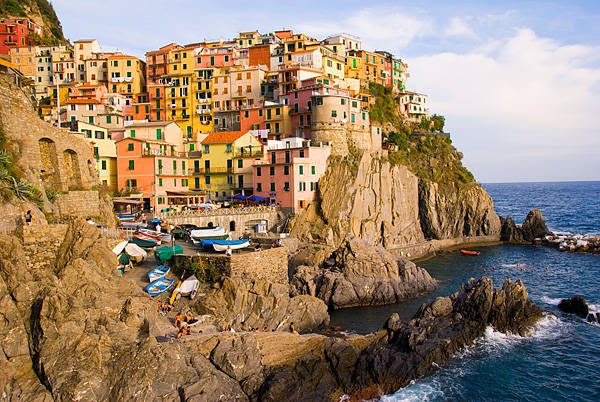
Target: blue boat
(222,245)
(158,272)
(159,286)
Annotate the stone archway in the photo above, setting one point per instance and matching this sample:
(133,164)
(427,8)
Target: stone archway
(49,172)
(71,167)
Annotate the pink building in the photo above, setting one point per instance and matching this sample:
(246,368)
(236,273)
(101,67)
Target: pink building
(290,172)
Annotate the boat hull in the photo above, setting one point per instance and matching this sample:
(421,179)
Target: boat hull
(159,286)
(223,245)
(158,272)
(469,252)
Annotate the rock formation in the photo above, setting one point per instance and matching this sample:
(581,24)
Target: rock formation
(357,274)
(575,305)
(386,205)
(533,227)
(260,304)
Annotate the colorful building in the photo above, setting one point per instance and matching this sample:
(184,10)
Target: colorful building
(18,32)
(413,106)
(290,172)
(127,75)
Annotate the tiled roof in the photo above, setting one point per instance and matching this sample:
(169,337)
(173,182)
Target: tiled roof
(222,137)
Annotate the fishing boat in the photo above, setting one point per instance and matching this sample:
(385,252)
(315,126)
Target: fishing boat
(469,252)
(118,249)
(223,245)
(155,235)
(217,233)
(127,217)
(165,253)
(158,272)
(144,241)
(135,252)
(189,287)
(159,286)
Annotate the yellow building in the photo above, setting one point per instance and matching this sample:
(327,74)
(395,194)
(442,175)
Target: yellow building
(202,90)
(105,153)
(278,120)
(333,63)
(126,75)
(216,170)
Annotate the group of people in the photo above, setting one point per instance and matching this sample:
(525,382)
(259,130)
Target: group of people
(183,322)
(164,308)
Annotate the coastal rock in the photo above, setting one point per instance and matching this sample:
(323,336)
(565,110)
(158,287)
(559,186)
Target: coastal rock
(357,274)
(575,305)
(534,227)
(387,205)
(260,304)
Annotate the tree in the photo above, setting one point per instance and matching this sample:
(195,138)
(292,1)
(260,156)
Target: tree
(438,122)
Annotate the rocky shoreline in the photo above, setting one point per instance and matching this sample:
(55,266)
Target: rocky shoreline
(74,329)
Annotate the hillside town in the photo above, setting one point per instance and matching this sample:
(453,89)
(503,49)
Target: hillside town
(258,115)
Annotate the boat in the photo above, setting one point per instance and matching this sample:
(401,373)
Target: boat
(469,252)
(165,253)
(223,245)
(118,249)
(135,252)
(217,233)
(155,235)
(159,286)
(144,242)
(189,287)
(127,217)
(158,272)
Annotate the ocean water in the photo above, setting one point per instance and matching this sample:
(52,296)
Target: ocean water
(561,361)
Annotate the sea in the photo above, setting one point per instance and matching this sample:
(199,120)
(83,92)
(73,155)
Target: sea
(561,360)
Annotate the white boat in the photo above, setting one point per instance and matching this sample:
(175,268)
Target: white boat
(118,249)
(135,252)
(223,245)
(163,237)
(189,287)
(158,272)
(209,233)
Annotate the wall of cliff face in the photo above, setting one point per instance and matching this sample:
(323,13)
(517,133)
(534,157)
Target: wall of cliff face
(39,11)
(383,203)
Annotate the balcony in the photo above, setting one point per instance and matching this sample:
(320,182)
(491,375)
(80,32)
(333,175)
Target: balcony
(255,153)
(202,111)
(212,170)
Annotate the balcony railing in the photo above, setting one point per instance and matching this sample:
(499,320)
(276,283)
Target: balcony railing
(212,170)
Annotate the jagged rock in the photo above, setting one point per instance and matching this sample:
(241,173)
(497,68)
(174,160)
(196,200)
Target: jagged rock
(575,305)
(260,304)
(532,228)
(362,275)
(591,318)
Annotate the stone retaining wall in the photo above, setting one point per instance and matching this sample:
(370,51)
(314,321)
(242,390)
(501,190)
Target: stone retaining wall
(41,243)
(81,204)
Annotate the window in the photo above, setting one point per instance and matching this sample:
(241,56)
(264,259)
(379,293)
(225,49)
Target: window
(276,127)
(174,166)
(277,111)
(99,135)
(319,101)
(131,165)
(240,163)
(343,101)
(272,171)
(301,169)
(184,183)
(108,119)
(212,63)
(258,171)
(228,148)
(286,170)
(158,134)
(258,187)
(206,149)
(128,63)
(313,170)
(286,186)
(302,186)
(131,183)
(334,113)
(160,182)
(160,200)
(313,186)
(302,153)
(130,147)
(206,179)
(272,186)
(103,164)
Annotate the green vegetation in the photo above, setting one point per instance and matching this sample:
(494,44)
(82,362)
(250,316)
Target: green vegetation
(203,270)
(422,147)
(53,33)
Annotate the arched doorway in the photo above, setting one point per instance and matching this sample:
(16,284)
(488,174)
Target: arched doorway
(49,172)
(71,167)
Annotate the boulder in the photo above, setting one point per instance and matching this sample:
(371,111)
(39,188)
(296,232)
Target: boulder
(575,305)
(534,227)
(358,274)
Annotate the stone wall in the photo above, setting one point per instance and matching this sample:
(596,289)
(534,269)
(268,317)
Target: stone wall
(81,204)
(361,136)
(270,264)
(41,243)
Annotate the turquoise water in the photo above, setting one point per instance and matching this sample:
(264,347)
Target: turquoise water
(561,361)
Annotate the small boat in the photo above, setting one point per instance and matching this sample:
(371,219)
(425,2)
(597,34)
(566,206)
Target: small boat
(189,287)
(118,249)
(158,272)
(155,235)
(223,245)
(165,253)
(135,252)
(144,242)
(209,234)
(159,286)
(469,252)
(127,217)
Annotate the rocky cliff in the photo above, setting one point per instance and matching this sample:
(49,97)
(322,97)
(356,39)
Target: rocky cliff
(385,204)
(39,11)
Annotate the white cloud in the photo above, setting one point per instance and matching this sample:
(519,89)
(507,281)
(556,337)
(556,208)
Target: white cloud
(528,102)
(459,28)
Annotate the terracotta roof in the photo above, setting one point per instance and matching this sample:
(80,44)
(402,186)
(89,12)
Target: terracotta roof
(225,137)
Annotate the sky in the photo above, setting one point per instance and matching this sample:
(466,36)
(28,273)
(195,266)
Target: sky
(517,81)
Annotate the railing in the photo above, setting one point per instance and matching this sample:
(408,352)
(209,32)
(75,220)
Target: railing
(217,212)
(248,154)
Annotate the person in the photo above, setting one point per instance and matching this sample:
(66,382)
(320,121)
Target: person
(166,308)
(178,319)
(181,332)
(228,251)
(143,218)
(293,329)
(258,247)
(189,318)
(188,330)
(158,228)
(28,217)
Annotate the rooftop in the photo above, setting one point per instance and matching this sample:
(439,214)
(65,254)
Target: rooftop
(222,137)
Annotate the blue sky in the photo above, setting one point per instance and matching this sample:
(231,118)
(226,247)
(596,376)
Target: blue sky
(518,81)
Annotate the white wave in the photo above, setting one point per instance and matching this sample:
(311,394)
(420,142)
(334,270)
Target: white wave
(550,300)
(416,392)
(549,327)
(510,265)
(594,307)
